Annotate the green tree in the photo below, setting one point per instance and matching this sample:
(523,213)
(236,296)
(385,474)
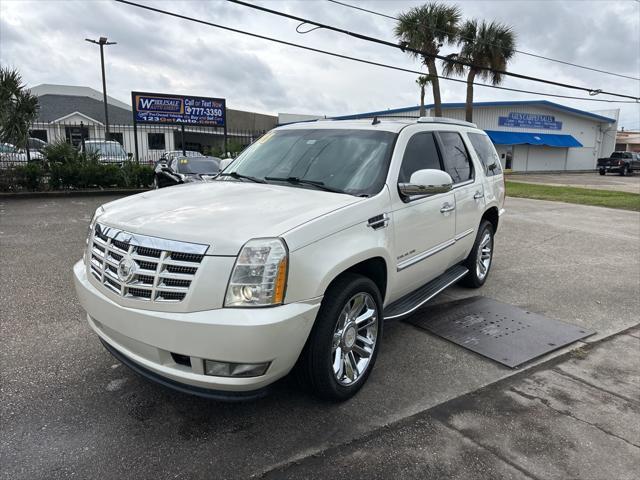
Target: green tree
(427,28)
(484,46)
(18,108)
(422,81)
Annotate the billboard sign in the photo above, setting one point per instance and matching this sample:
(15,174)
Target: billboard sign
(163,109)
(530,120)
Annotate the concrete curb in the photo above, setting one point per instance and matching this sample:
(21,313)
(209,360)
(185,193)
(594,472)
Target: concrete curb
(73,193)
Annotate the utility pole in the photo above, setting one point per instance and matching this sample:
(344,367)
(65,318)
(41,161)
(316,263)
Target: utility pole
(102,42)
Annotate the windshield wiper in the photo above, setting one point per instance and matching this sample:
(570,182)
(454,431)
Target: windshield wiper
(302,181)
(240,176)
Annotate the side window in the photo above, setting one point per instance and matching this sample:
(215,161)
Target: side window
(455,157)
(486,153)
(421,153)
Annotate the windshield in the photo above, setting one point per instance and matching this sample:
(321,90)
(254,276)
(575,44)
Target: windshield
(198,165)
(352,161)
(107,149)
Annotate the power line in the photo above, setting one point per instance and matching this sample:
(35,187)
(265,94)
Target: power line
(405,48)
(355,59)
(531,54)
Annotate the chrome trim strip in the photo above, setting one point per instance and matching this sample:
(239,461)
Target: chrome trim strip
(424,255)
(429,253)
(460,236)
(415,307)
(156,243)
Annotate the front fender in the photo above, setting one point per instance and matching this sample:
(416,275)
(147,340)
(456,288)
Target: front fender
(314,267)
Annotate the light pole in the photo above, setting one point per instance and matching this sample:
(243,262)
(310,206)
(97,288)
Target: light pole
(102,42)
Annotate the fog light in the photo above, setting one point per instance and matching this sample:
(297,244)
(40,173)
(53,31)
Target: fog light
(226,369)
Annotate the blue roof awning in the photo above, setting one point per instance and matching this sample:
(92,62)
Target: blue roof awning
(520,138)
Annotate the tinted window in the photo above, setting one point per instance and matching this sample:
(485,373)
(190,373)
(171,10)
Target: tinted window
(455,157)
(197,165)
(421,153)
(486,153)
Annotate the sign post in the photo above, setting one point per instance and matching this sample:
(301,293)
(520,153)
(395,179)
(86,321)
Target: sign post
(183,110)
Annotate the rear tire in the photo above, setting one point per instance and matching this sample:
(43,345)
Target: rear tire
(344,342)
(480,259)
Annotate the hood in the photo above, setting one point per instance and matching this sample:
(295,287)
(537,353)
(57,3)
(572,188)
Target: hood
(221,214)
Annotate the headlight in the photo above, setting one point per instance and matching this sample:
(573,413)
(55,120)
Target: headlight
(259,276)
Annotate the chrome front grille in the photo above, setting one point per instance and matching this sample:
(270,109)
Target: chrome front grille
(151,268)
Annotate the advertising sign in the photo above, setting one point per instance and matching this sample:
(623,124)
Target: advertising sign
(530,120)
(160,108)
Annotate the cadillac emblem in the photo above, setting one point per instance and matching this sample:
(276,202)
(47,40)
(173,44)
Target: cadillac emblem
(126,269)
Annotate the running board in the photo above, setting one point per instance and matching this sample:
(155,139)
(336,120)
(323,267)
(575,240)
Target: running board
(414,300)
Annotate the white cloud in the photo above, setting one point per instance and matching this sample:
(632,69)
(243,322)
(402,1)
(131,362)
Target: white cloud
(45,41)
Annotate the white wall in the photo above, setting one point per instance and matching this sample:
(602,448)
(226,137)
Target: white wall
(595,137)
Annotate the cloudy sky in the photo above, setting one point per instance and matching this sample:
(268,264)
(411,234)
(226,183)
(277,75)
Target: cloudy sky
(45,40)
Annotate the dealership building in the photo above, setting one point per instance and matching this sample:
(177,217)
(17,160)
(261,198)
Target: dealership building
(532,136)
(75,113)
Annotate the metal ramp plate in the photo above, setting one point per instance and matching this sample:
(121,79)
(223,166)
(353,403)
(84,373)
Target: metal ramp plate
(496,330)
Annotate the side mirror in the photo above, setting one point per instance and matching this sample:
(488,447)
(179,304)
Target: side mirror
(426,182)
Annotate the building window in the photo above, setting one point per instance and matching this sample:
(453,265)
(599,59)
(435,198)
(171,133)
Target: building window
(116,137)
(156,141)
(39,134)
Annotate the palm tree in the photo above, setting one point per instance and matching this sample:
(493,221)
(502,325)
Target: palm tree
(485,46)
(422,81)
(427,28)
(18,109)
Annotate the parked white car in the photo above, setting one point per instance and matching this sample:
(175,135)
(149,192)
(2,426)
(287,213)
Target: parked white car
(108,151)
(12,156)
(293,256)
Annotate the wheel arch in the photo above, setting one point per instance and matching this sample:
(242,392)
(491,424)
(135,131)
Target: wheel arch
(493,216)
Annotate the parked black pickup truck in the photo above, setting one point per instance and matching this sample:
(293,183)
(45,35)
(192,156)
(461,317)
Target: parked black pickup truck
(624,163)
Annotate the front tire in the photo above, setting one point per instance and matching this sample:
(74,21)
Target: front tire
(624,170)
(343,345)
(602,172)
(481,257)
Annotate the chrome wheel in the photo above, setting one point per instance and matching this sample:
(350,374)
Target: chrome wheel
(354,338)
(485,251)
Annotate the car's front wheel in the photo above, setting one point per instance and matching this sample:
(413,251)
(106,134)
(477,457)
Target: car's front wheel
(602,171)
(343,345)
(479,260)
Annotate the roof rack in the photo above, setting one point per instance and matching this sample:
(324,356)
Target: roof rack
(451,121)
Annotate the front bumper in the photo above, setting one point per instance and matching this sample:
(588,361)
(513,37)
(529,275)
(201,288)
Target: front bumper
(147,339)
(612,168)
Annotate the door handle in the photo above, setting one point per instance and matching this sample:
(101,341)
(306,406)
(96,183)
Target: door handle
(446,208)
(478,196)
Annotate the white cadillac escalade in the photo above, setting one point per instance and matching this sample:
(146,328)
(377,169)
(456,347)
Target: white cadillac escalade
(292,258)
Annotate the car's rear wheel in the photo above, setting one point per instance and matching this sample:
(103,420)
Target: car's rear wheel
(343,345)
(479,260)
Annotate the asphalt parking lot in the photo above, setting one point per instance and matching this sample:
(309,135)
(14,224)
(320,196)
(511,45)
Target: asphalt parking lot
(610,181)
(67,408)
